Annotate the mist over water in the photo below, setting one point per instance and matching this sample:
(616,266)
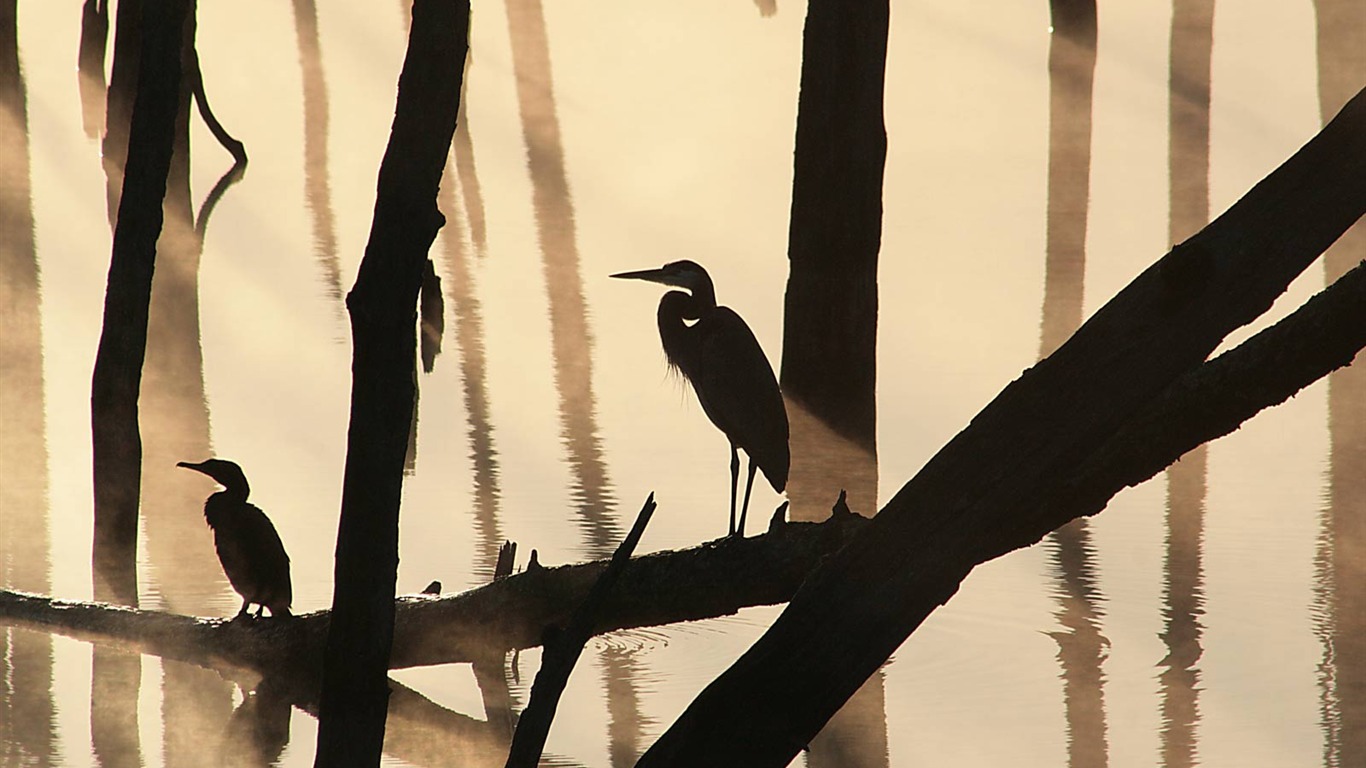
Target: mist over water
(1029,177)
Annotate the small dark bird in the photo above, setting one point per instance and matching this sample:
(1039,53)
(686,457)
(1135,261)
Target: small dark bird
(716,351)
(250,550)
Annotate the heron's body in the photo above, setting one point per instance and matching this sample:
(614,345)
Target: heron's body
(718,354)
(248,546)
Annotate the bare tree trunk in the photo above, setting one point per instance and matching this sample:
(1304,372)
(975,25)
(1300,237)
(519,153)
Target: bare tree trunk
(123,342)
(142,118)
(836,223)
(1011,476)
(383,308)
(829,365)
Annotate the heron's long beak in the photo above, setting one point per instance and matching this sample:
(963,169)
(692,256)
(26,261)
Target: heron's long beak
(653,275)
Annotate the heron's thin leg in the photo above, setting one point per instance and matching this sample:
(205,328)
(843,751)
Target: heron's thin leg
(734,483)
(749,483)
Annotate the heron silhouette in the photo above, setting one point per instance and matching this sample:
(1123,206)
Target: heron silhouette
(717,352)
(248,546)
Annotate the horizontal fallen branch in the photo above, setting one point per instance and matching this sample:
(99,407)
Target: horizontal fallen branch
(714,579)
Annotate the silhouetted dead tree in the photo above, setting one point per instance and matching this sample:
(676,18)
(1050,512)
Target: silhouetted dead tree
(383,309)
(1012,475)
(123,340)
(835,231)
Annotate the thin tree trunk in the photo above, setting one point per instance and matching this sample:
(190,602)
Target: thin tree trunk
(123,341)
(383,308)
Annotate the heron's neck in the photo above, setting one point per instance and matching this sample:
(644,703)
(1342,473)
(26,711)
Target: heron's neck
(676,310)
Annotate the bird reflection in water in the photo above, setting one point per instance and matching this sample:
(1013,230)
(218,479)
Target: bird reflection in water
(250,550)
(717,352)
(258,730)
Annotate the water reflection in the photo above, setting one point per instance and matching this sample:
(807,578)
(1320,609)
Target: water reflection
(470,190)
(1341,559)
(431,317)
(1192,41)
(469,338)
(1183,597)
(90,65)
(1082,646)
(257,732)
(27,713)
(426,734)
(317,190)
(118,99)
(571,340)
(1071,74)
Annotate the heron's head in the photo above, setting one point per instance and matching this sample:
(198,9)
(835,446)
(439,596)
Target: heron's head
(684,274)
(225,472)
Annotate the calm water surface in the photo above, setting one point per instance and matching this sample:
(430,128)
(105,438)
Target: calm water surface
(1207,617)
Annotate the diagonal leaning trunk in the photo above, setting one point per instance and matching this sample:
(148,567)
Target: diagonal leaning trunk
(1007,479)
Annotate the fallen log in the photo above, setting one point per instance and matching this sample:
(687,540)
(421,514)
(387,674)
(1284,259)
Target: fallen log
(714,579)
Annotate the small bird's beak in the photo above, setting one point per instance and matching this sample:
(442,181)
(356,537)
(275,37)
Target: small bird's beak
(190,465)
(653,275)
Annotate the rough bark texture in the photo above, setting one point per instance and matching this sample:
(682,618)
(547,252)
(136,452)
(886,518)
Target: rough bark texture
(714,579)
(836,223)
(123,341)
(1001,484)
(383,309)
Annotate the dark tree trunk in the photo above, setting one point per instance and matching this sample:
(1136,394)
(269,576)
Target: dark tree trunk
(142,119)
(830,320)
(123,341)
(1007,479)
(383,308)
(829,363)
